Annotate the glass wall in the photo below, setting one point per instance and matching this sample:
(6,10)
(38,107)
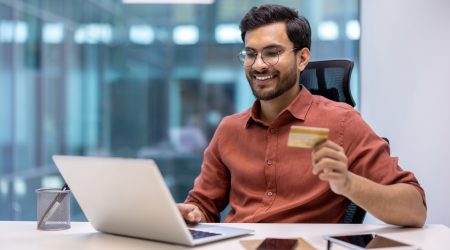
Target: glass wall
(99,77)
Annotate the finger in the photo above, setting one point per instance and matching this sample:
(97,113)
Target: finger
(193,217)
(329,165)
(185,209)
(330,176)
(328,149)
(328,153)
(327,159)
(325,148)
(197,216)
(319,143)
(327,143)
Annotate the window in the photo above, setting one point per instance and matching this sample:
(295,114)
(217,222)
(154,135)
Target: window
(150,81)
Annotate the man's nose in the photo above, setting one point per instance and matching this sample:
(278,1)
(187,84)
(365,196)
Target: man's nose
(259,63)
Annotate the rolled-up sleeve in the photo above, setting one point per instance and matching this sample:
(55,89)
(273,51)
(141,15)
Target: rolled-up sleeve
(369,155)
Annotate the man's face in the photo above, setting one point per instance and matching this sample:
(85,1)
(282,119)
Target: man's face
(270,81)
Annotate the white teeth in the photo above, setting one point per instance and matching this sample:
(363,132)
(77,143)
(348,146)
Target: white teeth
(262,78)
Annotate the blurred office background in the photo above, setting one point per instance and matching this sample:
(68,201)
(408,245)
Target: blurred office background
(99,77)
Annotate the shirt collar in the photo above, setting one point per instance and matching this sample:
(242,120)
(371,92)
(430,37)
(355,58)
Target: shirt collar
(298,108)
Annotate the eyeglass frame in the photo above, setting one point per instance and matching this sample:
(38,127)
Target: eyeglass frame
(242,56)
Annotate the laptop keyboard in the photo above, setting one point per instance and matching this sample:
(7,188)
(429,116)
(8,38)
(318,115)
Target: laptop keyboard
(201,234)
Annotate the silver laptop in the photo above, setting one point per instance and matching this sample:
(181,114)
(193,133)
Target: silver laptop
(129,197)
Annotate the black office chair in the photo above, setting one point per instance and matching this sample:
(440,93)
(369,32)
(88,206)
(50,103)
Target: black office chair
(331,79)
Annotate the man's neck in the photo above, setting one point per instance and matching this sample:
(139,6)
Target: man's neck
(271,109)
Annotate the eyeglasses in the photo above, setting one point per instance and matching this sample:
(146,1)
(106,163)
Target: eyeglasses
(270,56)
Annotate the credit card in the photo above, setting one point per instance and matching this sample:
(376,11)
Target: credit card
(306,137)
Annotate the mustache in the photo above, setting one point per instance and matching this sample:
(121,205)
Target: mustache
(266,72)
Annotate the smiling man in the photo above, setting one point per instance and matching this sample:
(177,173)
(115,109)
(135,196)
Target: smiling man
(249,166)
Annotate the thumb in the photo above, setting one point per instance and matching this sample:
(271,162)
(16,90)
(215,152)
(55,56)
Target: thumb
(194,216)
(190,212)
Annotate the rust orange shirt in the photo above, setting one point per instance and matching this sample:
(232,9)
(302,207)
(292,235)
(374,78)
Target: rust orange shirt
(249,165)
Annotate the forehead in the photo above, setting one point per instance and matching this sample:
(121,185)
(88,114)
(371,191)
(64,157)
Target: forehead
(271,34)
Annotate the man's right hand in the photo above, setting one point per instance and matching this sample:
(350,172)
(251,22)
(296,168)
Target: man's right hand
(191,213)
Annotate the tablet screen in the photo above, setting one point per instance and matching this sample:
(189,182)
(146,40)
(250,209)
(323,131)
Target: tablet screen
(369,241)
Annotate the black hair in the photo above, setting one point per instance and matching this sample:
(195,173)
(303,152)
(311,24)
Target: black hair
(298,28)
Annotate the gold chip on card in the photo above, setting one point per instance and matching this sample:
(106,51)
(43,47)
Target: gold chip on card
(306,137)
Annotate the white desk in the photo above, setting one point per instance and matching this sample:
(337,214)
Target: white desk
(24,235)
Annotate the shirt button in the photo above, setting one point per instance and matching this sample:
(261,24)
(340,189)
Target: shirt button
(269,162)
(273,130)
(269,193)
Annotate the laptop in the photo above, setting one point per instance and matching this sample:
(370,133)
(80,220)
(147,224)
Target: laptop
(129,197)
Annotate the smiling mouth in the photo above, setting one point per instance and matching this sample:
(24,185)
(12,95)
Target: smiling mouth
(263,78)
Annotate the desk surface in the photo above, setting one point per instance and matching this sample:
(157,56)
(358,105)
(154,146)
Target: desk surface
(24,235)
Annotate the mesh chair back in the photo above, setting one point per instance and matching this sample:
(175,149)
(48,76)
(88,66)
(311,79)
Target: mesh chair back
(330,78)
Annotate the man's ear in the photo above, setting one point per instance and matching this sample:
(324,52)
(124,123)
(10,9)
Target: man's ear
(303,56)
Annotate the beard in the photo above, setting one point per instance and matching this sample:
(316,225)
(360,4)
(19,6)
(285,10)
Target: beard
(284,83)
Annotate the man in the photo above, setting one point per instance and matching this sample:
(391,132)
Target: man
(249,166)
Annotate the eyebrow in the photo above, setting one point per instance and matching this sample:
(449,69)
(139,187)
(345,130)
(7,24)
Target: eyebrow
(271,46)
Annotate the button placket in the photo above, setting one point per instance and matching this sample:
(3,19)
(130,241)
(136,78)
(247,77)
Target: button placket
(270,163)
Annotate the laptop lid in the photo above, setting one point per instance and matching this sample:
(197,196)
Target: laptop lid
(129,197)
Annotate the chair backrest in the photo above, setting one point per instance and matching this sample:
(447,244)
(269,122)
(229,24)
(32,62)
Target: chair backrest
(330,78)
(354,214)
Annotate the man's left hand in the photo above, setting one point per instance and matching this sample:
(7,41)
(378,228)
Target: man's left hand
(330,163)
